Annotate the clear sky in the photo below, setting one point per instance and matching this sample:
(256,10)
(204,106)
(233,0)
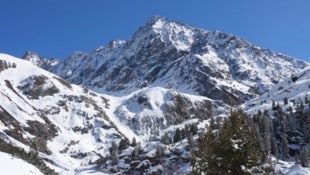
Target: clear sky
(56,28)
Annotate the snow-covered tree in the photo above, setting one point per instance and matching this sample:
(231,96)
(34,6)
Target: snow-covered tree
(233,150)
(284,148)
(166,139)
(114,153)
(305,156)
(123,144)
(134,142)
(177,135)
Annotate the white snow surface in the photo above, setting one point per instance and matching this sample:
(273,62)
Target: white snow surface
(297,170)
(295,92)
(75,114)
(180,36)
(13,165)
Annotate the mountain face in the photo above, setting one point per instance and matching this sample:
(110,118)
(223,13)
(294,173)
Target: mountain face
(134,106)
(288,94)
(71,126)
(64,122)
(174,55)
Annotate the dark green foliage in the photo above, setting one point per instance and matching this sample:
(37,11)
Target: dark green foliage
(166,139)
(180,134)
(177,135)
(135,155)
(206,158)
(159,154)
(305,157)
(285,100)
(265,133)
(33,87)
(1,66)
(6,65)
(291,127)
(213,123)
(294,78)
(235,149)
(123,144)
(30,157)
(134,142)
(114,154)
(284,148)
(190,141)
(274,148)
(64,82)
(194,128)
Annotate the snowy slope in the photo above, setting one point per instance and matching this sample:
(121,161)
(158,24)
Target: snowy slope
(295,89)
(297,170)
(73,128)
(148,111)
(12,165)
(64,121)
(290,168)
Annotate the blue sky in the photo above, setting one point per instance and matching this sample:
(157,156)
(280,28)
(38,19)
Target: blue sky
(56,28)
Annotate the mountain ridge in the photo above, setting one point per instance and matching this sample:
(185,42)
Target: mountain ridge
(163,47)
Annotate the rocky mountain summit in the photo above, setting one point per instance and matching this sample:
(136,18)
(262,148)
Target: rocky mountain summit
(174,55)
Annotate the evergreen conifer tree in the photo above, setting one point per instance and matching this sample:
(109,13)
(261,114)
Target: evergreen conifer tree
(177,135)
(305,157)
(284,148)
(123,144)
(134,142)
(114,154)
(234,149)
(166,139)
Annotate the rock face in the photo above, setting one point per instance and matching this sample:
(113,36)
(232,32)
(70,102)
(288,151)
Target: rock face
(36,86)
(44,63)
(174,55)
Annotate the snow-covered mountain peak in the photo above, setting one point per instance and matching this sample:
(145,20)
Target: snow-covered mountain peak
(174,33)
(158,23)
(174,55)
(32,57)
(45,63)
(155,19)
(182,37)
(106,49)
(115,44)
